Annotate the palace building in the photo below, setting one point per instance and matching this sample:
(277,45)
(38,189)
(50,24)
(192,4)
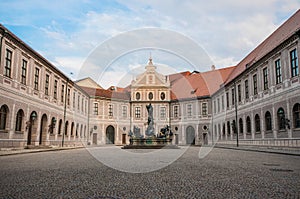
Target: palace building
(257,101)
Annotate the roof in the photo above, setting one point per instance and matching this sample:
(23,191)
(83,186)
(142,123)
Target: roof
(286,30)
(195,85)
(100,92)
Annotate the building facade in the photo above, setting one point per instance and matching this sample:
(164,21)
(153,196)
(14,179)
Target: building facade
(256,102)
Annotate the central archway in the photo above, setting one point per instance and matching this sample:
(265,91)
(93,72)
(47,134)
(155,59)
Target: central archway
(110,135)
(190,135)
(43,130)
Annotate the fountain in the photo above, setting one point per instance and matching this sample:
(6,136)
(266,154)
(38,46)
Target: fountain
(152,140)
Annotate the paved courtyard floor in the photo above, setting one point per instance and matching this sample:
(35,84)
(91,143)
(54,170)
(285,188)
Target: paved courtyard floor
(223,173)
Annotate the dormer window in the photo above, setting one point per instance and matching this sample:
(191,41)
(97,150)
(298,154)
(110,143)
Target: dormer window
(162,96)
(150,96)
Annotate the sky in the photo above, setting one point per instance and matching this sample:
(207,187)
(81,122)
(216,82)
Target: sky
(112,40)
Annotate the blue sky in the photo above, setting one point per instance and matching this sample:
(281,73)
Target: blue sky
(67,32)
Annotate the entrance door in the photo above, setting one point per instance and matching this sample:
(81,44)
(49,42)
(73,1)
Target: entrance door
(176,139)
(110,135)
(94,138)
(123,138)
(205,139)
(190,135)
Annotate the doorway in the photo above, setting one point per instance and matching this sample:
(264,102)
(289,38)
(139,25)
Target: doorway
(190,135)
(110,135)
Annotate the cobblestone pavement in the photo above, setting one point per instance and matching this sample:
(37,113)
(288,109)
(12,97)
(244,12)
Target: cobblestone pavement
(223,173)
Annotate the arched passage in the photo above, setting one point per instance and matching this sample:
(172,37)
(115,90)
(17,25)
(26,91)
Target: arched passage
(31,125)
(190,135)
(43,130)
(110,135)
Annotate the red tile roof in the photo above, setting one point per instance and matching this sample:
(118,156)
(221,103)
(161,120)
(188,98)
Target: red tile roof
(286,30)
(106,93)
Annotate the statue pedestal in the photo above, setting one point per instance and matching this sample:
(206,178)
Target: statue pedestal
(150,143)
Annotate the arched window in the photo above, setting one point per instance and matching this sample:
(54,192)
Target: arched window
(228,128)
(241,125)
(268,120)
(19,120)
(248,124)
(137,96)
(3,116)
(72,128)
(59,127)
(257,123)
(281,119)
(296,115)
(223,131)
(66,127)
(77,129)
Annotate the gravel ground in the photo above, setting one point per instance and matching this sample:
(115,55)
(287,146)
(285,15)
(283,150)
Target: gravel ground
(223,173)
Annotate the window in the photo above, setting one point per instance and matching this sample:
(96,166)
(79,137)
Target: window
(294,63)
(248,124)
(281,119)
(228,128)
(68,96)
(204,109)
(268,120)
(124,111)
(278,71)
(162,96)
(162,112)
(265,74)
(95,108)
(110,110)
(222,102)
(241,128)
(62,93)
(239,93)
(74,98)
(82,100)
(7,69)
(257,123)
(78,102)
(23,72)
(175,111)
(215,109)
(66,127)
(19,120)
(55,90)
(138,96)
(227,100)
(296,115)
(189,110)
(46,84)
(255,84)
(246,89)
(36,78)
(3,116)
(232,96)
(138,112)
(218,104)
(150,96)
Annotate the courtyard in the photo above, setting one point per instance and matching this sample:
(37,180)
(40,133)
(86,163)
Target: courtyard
(223,173)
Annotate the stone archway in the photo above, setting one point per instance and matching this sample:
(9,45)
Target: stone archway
(110,135)
(31,125)
(43,130)
(190,135)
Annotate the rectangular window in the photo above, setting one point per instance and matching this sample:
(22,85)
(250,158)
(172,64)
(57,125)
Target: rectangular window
(162,112)
(47,84)
(82,100)
(222,102)
(55,89)
(232,96)
(227,100)
(24,72)
(218,103)
(255,84)
(36,78)
(69,96)
(239,93)
(95,108)
(278,71)
(246,89)
(74,98)
(7,69)
(124,111)
(78,102)
(294,63)
(137,112)
(215,108)
(265,74)
(189,110)
(62,93)
(175,111)
(204,109)
(110,110)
